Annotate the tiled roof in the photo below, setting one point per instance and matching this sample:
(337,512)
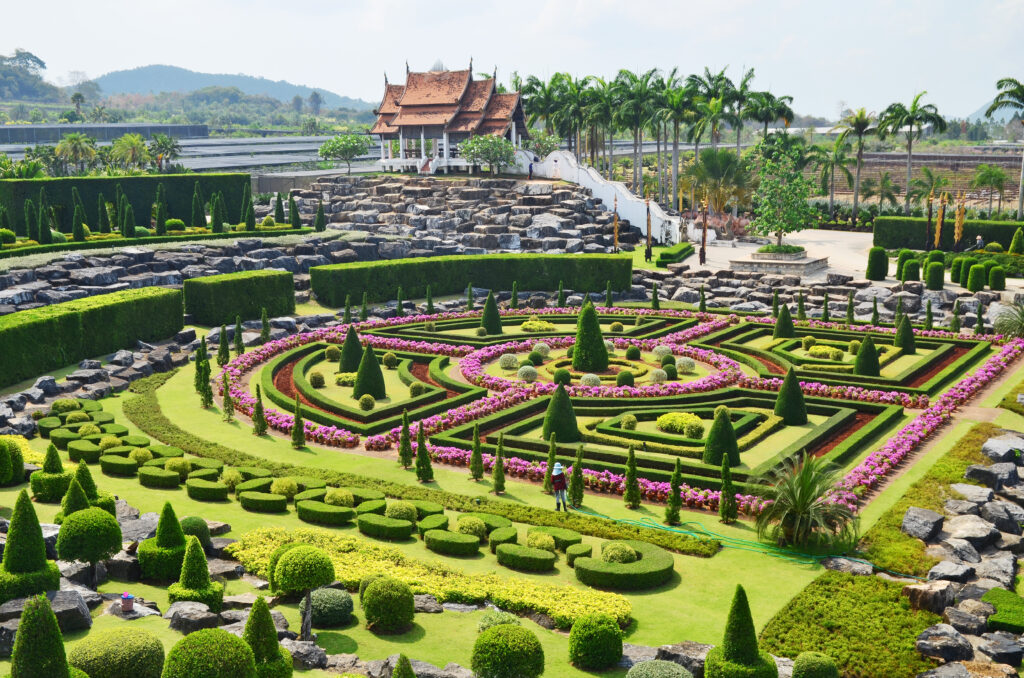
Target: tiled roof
(424,115)
(477,95)
(465,122)
(502,106)
(493,127)
(434,87)
(382,127)
(389,104)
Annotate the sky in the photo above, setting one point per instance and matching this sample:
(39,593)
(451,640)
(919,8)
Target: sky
(825,54)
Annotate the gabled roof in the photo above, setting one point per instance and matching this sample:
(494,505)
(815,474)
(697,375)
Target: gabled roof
(381,126)
(435,87)
(389,104)
(502,106)
(477,95)
(425,115)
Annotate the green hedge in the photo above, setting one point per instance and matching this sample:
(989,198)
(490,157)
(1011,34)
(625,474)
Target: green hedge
(375,506)
(563,537)
(895,232)
(382,527)
(502,535)
(451,543)
(41,339)
(654,568)
(525,558)
(380,280)
(316,494)
(83,449)
(217,299)
(263,502)
(577,551)
(321,513)
(1009,614)
(140,192)
(674,254)
(114,465)
(426,508)
(438,521)
(254,485)
(202,489)
(156,477)
(492,521)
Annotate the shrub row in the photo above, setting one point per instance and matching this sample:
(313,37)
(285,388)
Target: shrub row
(525,558)
(158,478)
(202,489)
(674,254)
(448,275)
(217,299)
(577,551)
(116,465)
(564,538)
(451,543)
(41,339)
(654,568)
(323,514)
(382,527)
(911,232)
(434,522)
(263,502)
(502,535)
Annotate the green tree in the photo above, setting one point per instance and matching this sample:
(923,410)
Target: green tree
(74,499)
(487,149)
(738,655)
(910,121)
(490,320)
(825,315)
(513,302)
(476,459)
(293,213)
(833,160)
(655,302)
(264,326)
(351,351)
(547,486)
(674,501)
(320,221)
(469,297)
(498,469)
(430,301)
(298,427)
(702,302)
(782,194)
(632,491)
(424,470)
(560,418)
(102,215)
(954,320)
(272,661)
(25,570)
(560,302)
(347,317)
(929,320)
(400,304)
(223,352)
(866,362)
(369,378)
(801,311)
(300,570)
(38,646)
(403,669)
(727,507)
(789,404)
(1011,97)
(405,456)
(250,218)
(797,512)
(198,213)
(721,440)
(364,311)
(238,338)
(576,479)
(589,353)
(89,536)
(278,210)
(259,418)
(905,337)
(31,221)
(784,324)
(885,189)
(345,148)
(228,402)
(859,124)
(160,219)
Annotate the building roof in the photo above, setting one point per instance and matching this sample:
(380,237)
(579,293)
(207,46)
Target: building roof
(502,106)
(389,104)
(425,115)
(435,87)
(381,126)
(477,95)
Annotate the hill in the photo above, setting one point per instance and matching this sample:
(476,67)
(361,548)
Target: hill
(160,78)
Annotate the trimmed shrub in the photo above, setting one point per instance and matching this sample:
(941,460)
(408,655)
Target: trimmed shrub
(210,653)
(119,653)
(905,337)
(25,570)
(721,440)
(624,379)
(452,543)
(560,418)
(217,299)
(83,450)
(371,506)
(206,490)
(38,650)
(738,655)
(316,379)
(194,583)
(658,376)
(537,540)
(339,496)
(563,537)
(911,270)
(590,380)
(502,535)
(196,527)
(261,484)
(493,617)
(61,437)
(997,278)
(388,605)
(331,607)
(432,522)
(814,665)
(783,324)
(617,552)
(580,551)
(866,363)
(653,568)
(51,483)
(260,634)
(902,258)
(322,513)
(382,527)
(262,502)
(155,477)
(527,373)
(935,274)
(658,668)
(400,510)
(589,351)
(628,422)
(286,487)
(369,378)
(633,352)
(525,558)
(878,264)
(89,536)
(595,642)
(976,279)
(472,526)
(160,557)
(790,403)
(507,651)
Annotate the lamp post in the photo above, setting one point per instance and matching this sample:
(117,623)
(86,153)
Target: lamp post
(615,224)
(704,229)
(928,226)
(648,253)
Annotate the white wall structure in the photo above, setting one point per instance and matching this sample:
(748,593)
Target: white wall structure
(563,165)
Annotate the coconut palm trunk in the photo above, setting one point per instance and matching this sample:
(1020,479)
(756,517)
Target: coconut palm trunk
(910,157)
(832,194)
(856,181)
(675,165)
(1020,187)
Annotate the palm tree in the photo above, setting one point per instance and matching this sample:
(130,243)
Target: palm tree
(799,511)
(884,189)
(570,110)
(994,179)
(1011,96)
(929,183)
(678,109)
(636,94)
(721,176)
(540,101)
(830,161)
(76,149)
(712,114)
(739,104)
(911,121)
(78,99)
(164,149)
(766,108)
(860,124)
(130,150)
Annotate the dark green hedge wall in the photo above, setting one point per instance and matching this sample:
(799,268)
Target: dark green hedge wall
(896,232)
(450,275)
(41,339)
(140,191)
(217,299)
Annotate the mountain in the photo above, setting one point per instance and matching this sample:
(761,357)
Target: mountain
(159,78)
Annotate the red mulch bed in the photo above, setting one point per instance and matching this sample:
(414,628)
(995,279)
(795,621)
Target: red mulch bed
(951,357)
(826,446)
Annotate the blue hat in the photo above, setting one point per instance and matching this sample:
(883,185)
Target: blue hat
(558,469)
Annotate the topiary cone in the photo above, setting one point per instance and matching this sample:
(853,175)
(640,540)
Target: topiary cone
(790,403)
(84,477)
(74,499)
(740,643)
(25,550)
(168,530)
(490,320)
(369,378)
(351,352)
(721,440)
(866,363)
(589,352)
(784,324)
(38,646)
(195,573)
(560,418)
(905,337)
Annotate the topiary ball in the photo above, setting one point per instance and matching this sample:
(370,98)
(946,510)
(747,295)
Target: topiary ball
(508,361)
(617,326)
(670,372)
(197,527)
(180,466)
(685,365)
(388,605)
(472,525)
(624,379)
(562,376)
(367,402)
(633,353)
(658,668)
(590,380)
(286,487)
(333,353)
(618,552)
(540,540)
(365,582)
(542,348)
(316,379)
(815,665)
(416,389)
(535,358)
(338,496)
(331,607)
(595,642)
(660,351)
(401,510)
(628,422)
(507,651)
(210,653)
(119,653)
(658,376)
(481,331)
(527,373)
(390,360)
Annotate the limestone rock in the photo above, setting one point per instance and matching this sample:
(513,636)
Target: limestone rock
(944,642)
(921,523)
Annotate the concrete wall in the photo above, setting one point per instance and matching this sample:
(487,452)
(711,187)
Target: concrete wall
(51,134)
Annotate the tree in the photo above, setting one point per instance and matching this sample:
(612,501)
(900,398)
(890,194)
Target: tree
(860,124)
(264,326)
(424,470)
(430,300)
(403,669)
(272,660)
(315,101)
(655,302)
(364,311)
(298,427)
(487,149)
(1011,96)
(905,337)
(31,230)
(835,159)
(576,479)
(738,655)
(910,121)
(789,404)
(238,338)
(102,215)
(589,353)
(320,221)
(293,213)
(560,301)
(766,108)
(74,500)
(727,508)
(351,351)
(405,455)
(721,440)
(88,536)
(223,352)
(160,220)
(547,486)
(476,459)
(346,318)
(259,418)
(560,418)
(76,149)
(929,183)
(198,214)
(400,304)
(798,512)
(993,179)
(24,568)
(78,224)
(782,193)
(130,150)
(345,148)
(866,362)
(674,501)
(303,569)
(164,149)
(369,378)
(632,490)
(498,469)
(228,403)
(490,319)
(38,646)
(278,210)
(722,177)
(885,189)
(784,324)
(194,581)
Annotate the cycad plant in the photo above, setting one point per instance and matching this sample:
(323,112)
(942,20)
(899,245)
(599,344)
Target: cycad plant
(1010,321)
(799,510)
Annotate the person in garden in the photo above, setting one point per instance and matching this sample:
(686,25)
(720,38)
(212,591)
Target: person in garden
(558,485)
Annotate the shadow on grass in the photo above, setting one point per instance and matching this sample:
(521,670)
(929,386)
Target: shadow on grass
(337,642)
